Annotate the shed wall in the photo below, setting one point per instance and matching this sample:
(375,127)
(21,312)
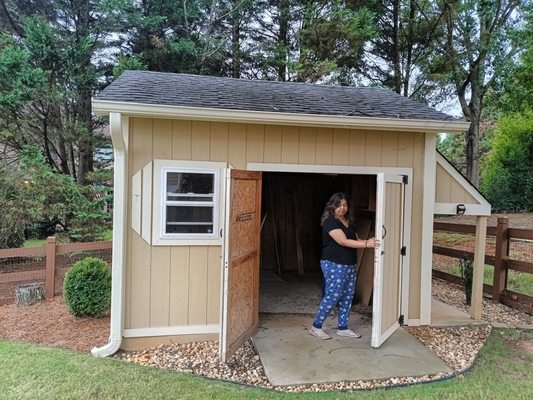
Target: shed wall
(449,190)
(166,285)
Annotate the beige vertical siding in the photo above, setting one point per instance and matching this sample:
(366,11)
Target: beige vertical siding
(391,268)
(448,190)
(180,285)
(138,287)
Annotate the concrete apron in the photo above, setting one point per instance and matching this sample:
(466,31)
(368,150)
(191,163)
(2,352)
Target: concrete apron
(291,356)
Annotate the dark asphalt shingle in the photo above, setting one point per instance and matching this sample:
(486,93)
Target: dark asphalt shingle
(256,95)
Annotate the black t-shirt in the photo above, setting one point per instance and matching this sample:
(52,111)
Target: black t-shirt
(333,251)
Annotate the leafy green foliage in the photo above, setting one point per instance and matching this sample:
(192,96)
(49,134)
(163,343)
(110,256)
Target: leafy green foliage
(507,180)
(332,41)
(514,92)
(87,288)
(33,193)
(453,148)
(13,220)
(133,63)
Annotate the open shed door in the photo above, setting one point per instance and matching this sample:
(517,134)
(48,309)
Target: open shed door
(240,292)
(390,201)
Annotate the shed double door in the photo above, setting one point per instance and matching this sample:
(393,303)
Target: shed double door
(388,259)
(240,290)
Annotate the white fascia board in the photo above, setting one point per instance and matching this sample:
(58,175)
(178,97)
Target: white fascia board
(104,107)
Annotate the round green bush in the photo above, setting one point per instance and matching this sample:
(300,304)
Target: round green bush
(87,288)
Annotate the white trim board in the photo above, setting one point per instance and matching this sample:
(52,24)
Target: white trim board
(428,207)
(328,169)
(104,107)
(171,331)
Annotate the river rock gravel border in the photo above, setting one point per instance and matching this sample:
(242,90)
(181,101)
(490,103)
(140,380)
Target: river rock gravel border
(457,346)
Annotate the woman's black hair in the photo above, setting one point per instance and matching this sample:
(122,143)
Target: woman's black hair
(332,204)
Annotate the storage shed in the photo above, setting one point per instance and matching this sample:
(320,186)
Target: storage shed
(219,179)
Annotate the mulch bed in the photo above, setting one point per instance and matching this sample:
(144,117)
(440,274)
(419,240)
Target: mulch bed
(49,323)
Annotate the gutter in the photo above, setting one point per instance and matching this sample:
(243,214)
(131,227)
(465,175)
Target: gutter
(104,107)
(119,134)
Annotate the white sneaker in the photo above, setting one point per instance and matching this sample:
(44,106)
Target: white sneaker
(348,333)
(319,333)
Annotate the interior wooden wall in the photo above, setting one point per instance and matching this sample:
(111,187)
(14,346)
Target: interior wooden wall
(291,208)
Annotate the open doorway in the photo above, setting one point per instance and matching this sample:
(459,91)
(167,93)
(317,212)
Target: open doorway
(292,203)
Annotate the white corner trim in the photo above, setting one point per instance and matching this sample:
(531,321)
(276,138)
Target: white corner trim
(147,209)
(471,189)
(428,208)
(119,127)
(171,331)
(103,107)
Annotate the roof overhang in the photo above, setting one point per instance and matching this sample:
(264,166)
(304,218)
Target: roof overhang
(104,107)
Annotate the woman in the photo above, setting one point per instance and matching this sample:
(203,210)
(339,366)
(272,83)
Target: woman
(339,242)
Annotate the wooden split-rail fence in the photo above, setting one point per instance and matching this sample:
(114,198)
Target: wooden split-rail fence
(48,264)
(45,265)
(502,260)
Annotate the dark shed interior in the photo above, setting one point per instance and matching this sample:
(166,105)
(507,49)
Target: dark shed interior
(292,204)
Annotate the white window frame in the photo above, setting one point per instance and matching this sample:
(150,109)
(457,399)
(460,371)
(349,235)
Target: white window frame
(161,170)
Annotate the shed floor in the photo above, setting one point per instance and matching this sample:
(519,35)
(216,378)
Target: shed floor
(291,356)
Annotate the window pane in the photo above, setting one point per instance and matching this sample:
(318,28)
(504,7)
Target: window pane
(180,214)
(187,186)
(189,229)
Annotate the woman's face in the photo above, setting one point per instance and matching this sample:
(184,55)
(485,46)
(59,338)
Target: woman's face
(341,209)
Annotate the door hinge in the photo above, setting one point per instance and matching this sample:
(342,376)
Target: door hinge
(405,179)
(403,251)
(400,320)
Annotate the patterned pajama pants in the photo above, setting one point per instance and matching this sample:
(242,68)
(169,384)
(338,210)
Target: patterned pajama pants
(339,288)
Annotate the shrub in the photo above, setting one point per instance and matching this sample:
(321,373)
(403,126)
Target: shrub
(87,288)
(467,271)
(507,178)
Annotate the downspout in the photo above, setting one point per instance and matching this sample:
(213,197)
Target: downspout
(119,135)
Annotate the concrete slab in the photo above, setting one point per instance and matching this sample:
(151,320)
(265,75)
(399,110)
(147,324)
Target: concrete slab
(291,356)
(280,296)
(443,314)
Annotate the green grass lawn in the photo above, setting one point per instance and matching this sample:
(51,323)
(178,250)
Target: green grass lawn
(34,372)
(34,243)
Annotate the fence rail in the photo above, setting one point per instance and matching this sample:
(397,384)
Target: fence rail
(501,261)
(47,264)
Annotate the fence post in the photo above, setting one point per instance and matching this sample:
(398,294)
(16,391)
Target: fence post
(499,281)
(50,274)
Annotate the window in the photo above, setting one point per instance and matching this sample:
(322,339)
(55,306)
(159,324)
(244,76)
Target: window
(187,199)
(190,202)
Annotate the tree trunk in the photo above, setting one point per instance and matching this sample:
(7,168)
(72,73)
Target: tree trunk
(85,156)
(283,40)
(409,58)
(235,45)
(472,150)
(396,46)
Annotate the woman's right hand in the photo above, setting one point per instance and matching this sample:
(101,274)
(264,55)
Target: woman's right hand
(373,243)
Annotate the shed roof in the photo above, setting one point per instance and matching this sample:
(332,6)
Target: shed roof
(171,89)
